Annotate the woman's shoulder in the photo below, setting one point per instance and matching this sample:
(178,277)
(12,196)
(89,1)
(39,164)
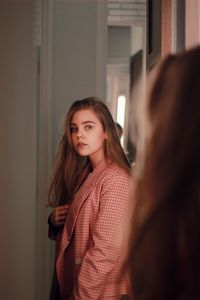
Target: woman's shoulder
(115,180)
(114,170)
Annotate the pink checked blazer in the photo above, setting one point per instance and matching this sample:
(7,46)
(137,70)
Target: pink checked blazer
(93,243)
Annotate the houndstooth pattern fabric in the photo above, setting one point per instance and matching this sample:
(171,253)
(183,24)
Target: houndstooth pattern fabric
(93,243)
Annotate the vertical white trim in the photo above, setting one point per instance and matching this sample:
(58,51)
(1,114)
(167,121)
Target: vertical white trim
(174,27)
(43,260)
(38,23)
(101,49)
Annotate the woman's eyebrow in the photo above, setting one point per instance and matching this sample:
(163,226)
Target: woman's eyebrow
(88,122)
(84,122)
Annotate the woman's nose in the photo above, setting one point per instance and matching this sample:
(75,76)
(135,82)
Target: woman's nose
(80,133)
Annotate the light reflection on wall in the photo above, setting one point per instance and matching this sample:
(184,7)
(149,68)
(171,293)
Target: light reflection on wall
(121,108)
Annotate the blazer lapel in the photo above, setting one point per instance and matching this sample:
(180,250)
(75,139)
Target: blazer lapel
(78,201)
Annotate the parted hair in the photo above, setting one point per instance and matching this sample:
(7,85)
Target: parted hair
(69,166)
(164,253)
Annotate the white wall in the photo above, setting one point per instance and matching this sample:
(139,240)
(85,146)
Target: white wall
(18,150)
(119,42)
(79,46)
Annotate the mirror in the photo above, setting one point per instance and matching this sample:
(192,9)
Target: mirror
(126,48)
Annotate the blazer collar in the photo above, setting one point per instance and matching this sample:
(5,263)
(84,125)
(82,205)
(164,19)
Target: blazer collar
(91,180)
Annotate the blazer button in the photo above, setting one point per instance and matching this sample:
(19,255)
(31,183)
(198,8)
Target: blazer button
(78,261)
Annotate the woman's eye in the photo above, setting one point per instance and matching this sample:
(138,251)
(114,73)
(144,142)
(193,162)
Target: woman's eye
(88,127)
(73,129)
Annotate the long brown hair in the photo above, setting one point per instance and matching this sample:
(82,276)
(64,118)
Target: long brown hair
(69,166)
(164,254)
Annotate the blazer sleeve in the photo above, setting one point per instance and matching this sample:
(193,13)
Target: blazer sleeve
(107,236)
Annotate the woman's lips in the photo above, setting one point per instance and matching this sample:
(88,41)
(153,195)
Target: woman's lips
(80,145)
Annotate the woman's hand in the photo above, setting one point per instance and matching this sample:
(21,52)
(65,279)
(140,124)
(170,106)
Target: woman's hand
(58,216)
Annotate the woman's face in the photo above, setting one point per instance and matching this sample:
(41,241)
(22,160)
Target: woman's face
(88,136)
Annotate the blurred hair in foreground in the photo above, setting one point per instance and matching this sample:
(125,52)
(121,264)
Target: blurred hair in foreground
(164,254)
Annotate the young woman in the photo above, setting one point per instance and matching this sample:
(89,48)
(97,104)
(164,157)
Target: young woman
(164,255)
(90,193)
